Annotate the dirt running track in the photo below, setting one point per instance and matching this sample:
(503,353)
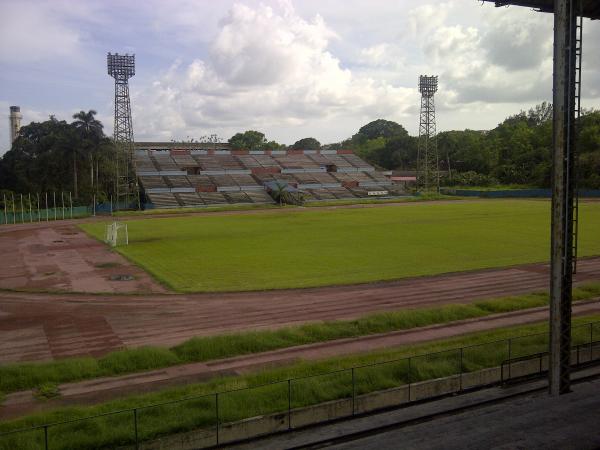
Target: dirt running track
(58,256)
(47,326)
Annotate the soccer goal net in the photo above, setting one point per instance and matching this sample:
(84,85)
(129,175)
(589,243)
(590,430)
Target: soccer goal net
(116,234)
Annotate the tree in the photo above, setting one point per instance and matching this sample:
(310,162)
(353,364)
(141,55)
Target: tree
(282,194)
(385,144)
(47,156)
(90,130)
(307,144)
(381,128)
(252,140)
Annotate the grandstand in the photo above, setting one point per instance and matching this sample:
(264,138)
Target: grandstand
(192,175)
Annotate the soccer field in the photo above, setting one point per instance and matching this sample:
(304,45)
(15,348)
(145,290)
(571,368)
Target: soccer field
(341,246)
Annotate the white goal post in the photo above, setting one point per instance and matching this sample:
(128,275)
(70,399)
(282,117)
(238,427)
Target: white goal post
(116,234)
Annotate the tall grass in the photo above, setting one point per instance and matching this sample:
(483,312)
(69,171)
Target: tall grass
(15,377)
(268,390)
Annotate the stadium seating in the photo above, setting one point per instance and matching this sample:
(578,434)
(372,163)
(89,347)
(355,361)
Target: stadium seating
(190,177)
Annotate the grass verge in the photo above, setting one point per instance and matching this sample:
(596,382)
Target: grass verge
(329,380)
(16,377)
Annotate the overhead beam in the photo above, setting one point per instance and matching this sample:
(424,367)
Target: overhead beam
(589,8)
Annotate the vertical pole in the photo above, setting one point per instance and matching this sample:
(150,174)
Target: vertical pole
(591,340)
(46,437)
(14,210)
(217,414)
(38,207)
(289,404)
(94,205)
(54,203)
(409,379)
(71,203)
(47,211)
(561,264)
(353,393)
(509,355)
(22,214)
(135,425)
(62,203)
(5,209)
(30,216)
(461,369)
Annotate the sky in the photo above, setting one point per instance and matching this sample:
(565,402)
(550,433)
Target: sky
(291,69)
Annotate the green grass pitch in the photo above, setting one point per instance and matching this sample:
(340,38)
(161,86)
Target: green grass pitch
(295,249)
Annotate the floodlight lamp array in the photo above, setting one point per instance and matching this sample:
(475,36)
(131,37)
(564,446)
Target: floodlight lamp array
(428,85)
(120,66)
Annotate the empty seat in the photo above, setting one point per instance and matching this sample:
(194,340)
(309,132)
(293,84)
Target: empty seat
(153,182)
(164,200)
(178,181)
(189,199)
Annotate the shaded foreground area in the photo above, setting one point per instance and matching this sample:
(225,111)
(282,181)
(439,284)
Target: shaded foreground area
(568,422)
(302,249)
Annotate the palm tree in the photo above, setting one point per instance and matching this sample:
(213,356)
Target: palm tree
(281,194)
(90,130)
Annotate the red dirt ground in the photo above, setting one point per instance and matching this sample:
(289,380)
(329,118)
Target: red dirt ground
(100,390)
(61,257)
(44,326)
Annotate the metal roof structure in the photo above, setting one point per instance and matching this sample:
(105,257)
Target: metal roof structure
(590,8)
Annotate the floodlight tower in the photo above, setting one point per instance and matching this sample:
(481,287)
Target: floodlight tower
(122,68)
(428,167)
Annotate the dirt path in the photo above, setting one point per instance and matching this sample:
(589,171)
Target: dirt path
(36,327)
(103,389)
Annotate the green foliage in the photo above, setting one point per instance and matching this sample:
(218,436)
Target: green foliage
(517,151)
(56,156)
(329,379)
(284,196)
(471,178)
(252,140)
(381,128)
(133,360)
(385,144)
(47,391)
(339,246)
(306,144)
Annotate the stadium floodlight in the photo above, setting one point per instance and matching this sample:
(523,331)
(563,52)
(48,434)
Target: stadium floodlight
(428,170)
(428,85)
(122,68)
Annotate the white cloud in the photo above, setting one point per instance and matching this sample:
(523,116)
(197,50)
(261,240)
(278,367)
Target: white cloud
(267,67)
(291,70)
(43,30)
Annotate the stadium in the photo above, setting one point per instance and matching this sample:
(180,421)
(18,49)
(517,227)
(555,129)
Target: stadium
(192,177)
(223,295)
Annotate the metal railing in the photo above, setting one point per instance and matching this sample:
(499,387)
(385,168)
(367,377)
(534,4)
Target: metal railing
(213,419)
(39,207)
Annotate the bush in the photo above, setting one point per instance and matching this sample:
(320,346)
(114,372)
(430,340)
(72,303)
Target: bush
(471,178)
